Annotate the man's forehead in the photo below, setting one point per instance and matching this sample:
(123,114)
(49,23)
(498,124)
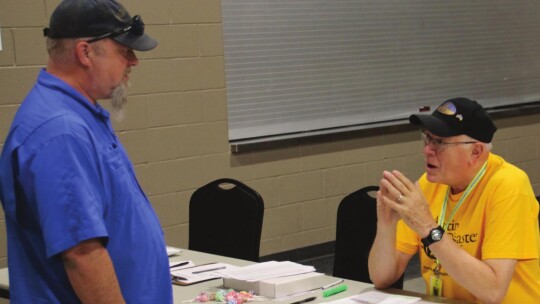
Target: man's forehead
(441,137)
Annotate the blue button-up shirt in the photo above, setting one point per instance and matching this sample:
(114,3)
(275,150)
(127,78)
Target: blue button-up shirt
(66,178)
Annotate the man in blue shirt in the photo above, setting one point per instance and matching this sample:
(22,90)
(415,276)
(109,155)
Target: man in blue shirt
(79,226)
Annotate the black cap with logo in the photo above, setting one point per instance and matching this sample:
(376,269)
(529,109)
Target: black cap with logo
(98,19)
(458,116)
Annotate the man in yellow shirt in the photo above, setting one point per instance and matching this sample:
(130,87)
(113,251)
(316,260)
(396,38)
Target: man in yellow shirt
(472,216)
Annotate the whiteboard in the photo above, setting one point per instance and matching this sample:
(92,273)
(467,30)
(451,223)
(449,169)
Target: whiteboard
(294,67)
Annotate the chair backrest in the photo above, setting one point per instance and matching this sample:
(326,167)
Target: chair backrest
(356,227)
(538,199)
(225,218)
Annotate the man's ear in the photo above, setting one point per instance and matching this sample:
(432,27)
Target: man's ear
(477,151)
(83,53)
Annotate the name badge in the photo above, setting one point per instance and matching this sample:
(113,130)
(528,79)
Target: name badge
(435,285)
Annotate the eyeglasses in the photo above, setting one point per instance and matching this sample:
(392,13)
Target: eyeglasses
(439,144)
(136,26)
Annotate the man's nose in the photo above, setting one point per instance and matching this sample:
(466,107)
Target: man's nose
(428,149)
(132,58)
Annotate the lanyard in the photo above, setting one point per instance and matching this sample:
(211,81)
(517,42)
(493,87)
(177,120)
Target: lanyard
(442,215)
(470,188)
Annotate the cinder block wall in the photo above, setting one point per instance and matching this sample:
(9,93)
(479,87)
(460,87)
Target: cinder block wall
(176,128)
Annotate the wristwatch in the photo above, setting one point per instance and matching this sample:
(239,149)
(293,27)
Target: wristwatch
(434,236)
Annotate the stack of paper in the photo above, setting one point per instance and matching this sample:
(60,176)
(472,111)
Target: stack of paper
(274,279)
(268,270)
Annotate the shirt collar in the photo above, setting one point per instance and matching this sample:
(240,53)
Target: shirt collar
(48,80)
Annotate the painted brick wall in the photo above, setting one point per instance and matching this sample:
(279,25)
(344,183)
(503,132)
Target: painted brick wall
(176,128)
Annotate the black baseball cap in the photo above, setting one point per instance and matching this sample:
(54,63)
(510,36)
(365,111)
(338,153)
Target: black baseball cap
(98,19)
(458,116)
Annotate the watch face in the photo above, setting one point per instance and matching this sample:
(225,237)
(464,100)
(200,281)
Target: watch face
(436,235)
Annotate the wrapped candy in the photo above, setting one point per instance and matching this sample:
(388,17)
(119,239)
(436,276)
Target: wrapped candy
(225,296)
(220,295)
(202,297)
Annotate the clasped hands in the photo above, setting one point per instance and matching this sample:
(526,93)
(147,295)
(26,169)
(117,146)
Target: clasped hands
(398,197)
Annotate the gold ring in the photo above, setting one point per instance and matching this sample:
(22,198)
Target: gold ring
(399,197)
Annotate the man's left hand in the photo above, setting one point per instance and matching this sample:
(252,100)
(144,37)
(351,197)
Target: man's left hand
(406,198)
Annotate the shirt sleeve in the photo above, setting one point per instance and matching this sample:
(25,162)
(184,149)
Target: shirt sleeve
(511,220)
(63,176)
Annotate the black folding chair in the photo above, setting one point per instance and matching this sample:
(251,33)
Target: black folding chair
(538,199)
(225,218)
(355,231)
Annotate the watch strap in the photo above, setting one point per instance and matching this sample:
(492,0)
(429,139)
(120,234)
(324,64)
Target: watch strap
(429,239)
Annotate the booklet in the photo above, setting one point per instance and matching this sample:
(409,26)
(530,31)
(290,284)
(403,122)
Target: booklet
(191,274)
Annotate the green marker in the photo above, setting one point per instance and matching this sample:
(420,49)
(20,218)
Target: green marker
(333,291)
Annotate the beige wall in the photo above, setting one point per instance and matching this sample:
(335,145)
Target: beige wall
(176,128)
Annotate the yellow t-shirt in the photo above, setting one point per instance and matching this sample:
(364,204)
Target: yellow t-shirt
(499,219)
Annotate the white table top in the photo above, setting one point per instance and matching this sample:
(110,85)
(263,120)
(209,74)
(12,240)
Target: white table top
(4,278)
(184,293)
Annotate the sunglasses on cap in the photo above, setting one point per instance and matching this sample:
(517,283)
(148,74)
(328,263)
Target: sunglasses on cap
(136,27)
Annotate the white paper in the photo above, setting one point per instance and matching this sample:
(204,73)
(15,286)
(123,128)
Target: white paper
(268,270)
(173,250)
(348,300)
(377,297)
(302,293)
(199,273)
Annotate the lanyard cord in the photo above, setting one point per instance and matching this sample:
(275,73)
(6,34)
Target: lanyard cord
(442,215)
(468,191)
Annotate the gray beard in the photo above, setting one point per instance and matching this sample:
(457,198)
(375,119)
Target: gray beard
(118,101)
